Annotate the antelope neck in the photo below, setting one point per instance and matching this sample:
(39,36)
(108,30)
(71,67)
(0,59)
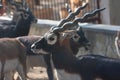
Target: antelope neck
(64,60)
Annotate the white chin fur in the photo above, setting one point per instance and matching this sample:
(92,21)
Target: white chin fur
(39,51)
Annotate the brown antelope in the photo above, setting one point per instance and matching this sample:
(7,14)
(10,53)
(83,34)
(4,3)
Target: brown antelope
(13,58)
(68,66)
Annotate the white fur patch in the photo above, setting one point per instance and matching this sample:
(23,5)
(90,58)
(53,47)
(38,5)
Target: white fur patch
(62,75)
(39,51)
(82,51)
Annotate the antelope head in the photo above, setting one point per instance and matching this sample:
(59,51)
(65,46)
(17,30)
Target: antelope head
(23,10)
(51,41)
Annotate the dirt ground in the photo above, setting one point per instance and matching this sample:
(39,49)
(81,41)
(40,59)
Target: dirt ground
(36,73)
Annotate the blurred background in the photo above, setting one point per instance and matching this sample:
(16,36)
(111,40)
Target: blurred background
(55,9)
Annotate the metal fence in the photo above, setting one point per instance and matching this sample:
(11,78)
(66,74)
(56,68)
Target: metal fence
(46,9)
(50,9)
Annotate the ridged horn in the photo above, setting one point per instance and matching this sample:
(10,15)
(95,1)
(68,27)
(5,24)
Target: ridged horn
(72,15)
(69,25)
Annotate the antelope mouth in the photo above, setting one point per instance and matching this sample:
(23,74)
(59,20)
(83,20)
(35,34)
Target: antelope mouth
(39,51)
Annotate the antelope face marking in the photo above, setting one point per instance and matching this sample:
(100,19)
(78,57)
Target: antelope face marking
(45,44)
(81,39)
(28,15)
(51,38)
(76,37)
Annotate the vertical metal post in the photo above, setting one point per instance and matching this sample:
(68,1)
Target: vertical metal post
(98,6)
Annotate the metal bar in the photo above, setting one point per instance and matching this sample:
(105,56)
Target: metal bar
(98,6)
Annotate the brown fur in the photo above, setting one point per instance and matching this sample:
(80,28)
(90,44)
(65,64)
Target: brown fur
(11,48)
(66,42)
(74,4)
(63,13)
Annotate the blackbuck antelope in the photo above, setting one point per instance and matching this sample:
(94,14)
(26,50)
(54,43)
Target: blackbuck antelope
(68,66)
(44,60)
(22,24)
(117,43)
(16,13)
(12,58)
(33,60)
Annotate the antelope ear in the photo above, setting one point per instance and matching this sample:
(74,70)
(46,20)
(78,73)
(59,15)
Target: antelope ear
(80,31)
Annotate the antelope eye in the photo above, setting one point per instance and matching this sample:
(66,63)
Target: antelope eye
(24,15)
(52,40)
(76,37)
